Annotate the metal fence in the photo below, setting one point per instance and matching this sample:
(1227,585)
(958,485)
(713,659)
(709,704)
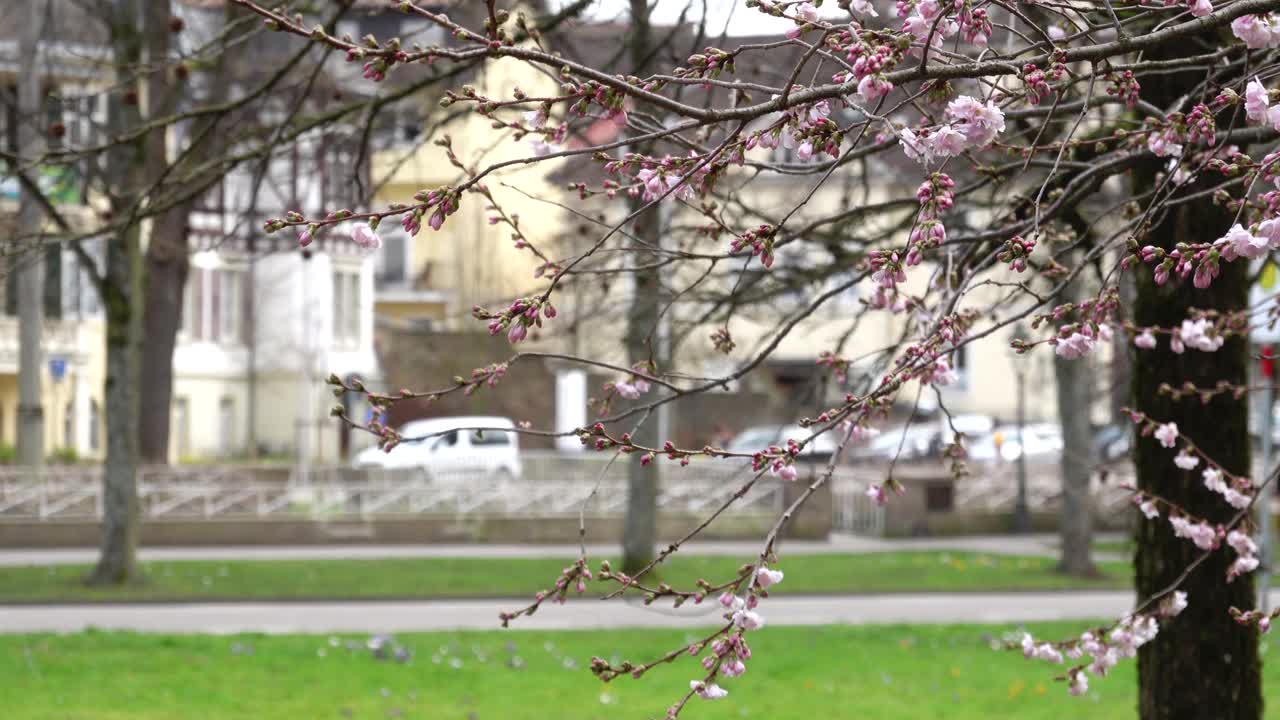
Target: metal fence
(550,484)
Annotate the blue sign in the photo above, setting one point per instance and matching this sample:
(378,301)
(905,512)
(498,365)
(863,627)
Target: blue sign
(58,368)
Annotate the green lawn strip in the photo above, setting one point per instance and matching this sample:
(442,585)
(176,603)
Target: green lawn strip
(1122,547)
(514,577)
(832,672)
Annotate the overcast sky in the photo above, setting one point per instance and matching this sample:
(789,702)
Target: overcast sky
(742,21)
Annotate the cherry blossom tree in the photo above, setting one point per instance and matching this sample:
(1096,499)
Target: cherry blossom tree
(1035,145)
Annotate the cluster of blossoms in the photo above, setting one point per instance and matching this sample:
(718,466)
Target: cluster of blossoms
(1080,339)
(1199,334)
(685,178)
(760,240)
(1206,536)
(970,125)
(1257,105)
(936,197)
(1203,261)
(1105,649)
(870,60)
(808,130)
(1016,251)
(521,315)
(729,654)
(1093,325)
(1198,8)
(1125,85)
(1257,31)
(1037,81)
(1255,617)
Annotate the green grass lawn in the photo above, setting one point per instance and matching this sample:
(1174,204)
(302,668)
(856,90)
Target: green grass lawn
(832,673)
(502,577)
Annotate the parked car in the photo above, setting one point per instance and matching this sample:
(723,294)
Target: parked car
(910,442)
(1040,441)
(450,452)
(760,437)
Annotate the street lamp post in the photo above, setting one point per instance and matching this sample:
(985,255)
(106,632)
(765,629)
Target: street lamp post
(1021,513)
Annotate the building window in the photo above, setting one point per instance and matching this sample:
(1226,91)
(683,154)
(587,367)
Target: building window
(213,306)
(346,308)
(227,424)
(230,311)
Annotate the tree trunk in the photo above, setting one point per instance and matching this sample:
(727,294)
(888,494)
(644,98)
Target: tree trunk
(117,562)
(168,252)
(640,530)
(1077,508)
(1202,664)
(31,269)
(130,165)
(639,533)
(167,266)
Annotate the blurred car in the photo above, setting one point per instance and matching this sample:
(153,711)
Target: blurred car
(909,442)
(1040,441)
(759,437)
(1112,443)
(447,450)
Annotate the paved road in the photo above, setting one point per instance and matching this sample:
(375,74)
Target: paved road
(322,617)
(1003,544)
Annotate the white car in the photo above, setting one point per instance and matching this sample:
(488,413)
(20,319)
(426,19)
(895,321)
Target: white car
(757,438)
(452,450)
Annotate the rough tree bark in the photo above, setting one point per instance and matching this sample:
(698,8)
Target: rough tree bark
(640,528)
(1076,518)
(122,291)
(1202,664)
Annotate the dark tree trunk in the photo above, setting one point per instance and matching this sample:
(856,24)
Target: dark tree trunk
(1202,664)
(167,267)
(639,533)
(1073,413)
(117,562)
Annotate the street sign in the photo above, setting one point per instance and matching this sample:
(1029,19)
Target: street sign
(58,368)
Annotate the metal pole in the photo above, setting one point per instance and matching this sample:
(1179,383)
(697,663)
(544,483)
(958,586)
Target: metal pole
(1268,492)
(1021,513)
(30,262)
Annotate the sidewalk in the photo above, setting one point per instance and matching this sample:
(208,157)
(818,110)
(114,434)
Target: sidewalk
(325,617)
(1031,545)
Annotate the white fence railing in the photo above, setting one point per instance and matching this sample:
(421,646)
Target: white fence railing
(549,484)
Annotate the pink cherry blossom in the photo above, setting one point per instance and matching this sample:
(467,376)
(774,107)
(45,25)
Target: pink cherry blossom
(1079,684)
(980,123)
(864,7)
(1146,340)
(768,578)
(788,473)
(707,691)
(1186,461)
(1244,243)
(1076,345)
(365,237)
(748,619)
(1257,31)
(1167,434)
(517,333)
(877,495)
(1149,509)
(1256,101)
